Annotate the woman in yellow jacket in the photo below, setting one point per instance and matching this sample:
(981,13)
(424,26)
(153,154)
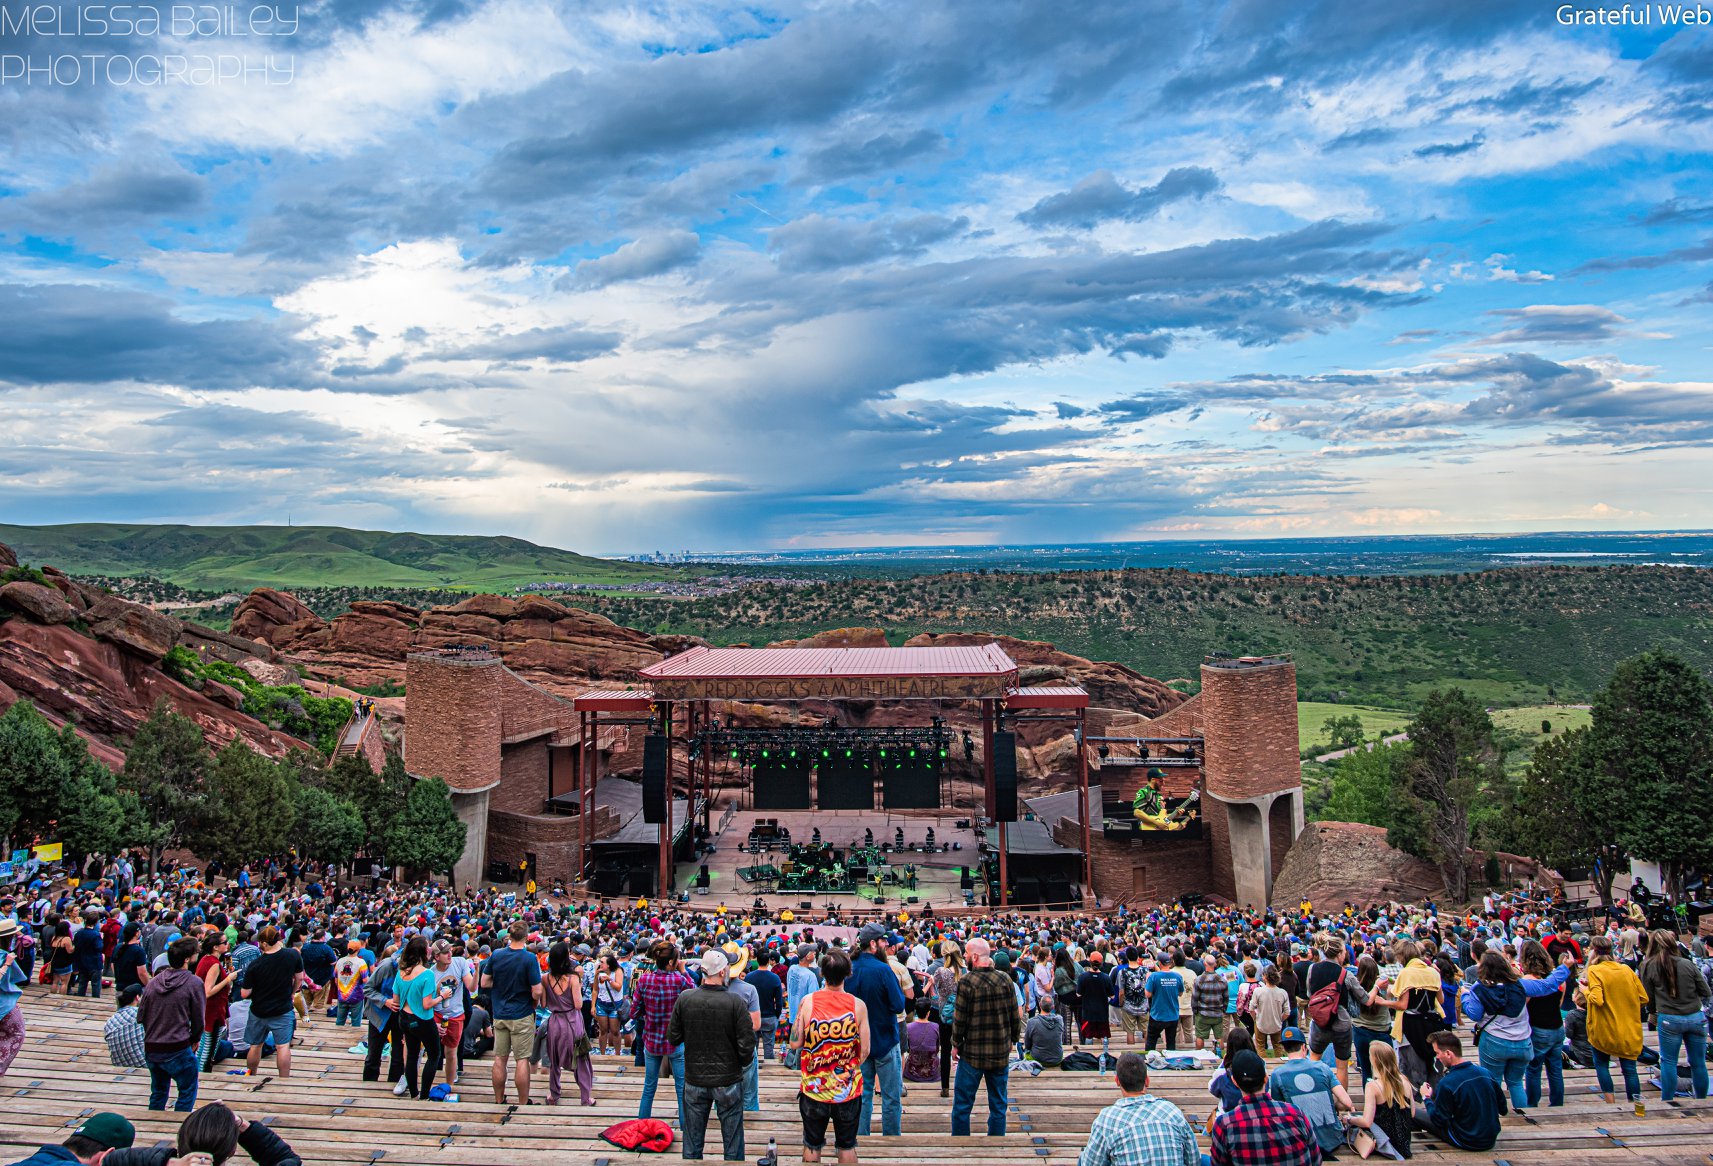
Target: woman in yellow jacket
(1615,1001)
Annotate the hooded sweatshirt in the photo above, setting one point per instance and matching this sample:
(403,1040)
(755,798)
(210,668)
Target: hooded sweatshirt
(171,1011)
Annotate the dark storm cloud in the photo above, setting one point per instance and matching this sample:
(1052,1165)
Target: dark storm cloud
(651,255)
(1100,196)
(61,332)
(817,243)
(859,154)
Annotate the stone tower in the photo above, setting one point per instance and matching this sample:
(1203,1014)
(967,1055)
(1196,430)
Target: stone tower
(1253,809)
(454,733)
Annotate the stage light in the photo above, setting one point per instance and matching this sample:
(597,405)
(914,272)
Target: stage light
(847,753)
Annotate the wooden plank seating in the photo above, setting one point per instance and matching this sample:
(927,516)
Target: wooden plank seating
(331,1116)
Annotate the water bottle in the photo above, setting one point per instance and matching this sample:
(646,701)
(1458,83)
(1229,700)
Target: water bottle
(771,1158)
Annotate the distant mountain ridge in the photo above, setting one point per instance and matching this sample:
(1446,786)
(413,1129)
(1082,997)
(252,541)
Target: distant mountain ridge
(243,557)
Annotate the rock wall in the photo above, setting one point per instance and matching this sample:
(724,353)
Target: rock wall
(1337,862)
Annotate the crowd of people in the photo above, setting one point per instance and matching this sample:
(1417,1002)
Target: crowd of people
(1321,1029)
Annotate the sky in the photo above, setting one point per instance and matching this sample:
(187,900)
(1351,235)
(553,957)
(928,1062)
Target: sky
(627,276)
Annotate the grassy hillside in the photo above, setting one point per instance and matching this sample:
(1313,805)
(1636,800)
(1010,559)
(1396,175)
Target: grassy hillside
(1514,636)
(241,557)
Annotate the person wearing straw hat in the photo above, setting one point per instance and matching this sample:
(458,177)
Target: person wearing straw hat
(12,981)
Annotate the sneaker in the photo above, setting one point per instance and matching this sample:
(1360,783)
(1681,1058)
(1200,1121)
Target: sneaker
(362,1050)
(401,1088)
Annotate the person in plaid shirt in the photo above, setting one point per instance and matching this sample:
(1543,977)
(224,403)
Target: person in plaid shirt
(1261,1131)
(1137,1129)
(1208,999)
(124,1033)
(985,1025)
(652,998)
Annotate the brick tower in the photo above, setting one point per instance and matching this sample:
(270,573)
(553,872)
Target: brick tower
(1253,809)
(454,733)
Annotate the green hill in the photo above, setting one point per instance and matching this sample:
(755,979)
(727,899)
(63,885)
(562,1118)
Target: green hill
(1517,635)
(242,557)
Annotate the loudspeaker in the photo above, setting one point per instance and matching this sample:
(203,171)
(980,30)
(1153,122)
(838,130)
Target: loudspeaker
(1005,777)
(654,778)
(704,874)
(1055,890)
(781,787)
(965,879)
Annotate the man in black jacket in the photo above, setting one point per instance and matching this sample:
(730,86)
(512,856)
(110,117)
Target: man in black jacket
(714,1027)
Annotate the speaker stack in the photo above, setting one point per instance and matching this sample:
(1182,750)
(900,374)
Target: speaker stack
(654,778)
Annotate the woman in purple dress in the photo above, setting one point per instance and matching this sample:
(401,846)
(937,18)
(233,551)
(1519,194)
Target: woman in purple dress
(567,1043)
(922,1045)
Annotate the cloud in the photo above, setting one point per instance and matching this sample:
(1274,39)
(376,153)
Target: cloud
(638,259)
(1497,271)
(858,154)
(1557,324)
(1100,196)
(1451,149)
(1678,210)
(1694,254)
(817,243)
(554,345)
(129,190)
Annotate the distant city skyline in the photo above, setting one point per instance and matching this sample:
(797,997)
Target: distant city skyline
(616,276)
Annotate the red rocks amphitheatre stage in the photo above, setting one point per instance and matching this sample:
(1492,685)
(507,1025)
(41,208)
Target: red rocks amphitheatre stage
(860,775)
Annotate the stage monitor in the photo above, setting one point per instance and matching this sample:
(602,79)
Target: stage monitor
(780,787)
(911,787)
(654,758)
(1005,777)
(845,785)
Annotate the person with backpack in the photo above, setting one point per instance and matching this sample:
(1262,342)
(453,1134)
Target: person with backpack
(945,994)
(1130,994)
(1328,986)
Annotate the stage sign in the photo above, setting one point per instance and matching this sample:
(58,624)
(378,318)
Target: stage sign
(835,688)
(49,851)
(20,857)
(6,872)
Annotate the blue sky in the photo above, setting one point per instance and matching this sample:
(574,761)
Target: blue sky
(622,276)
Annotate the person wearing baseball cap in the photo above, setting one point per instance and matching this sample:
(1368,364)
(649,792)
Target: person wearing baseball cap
(99,1135)
(873,981)
(1312,1088)
(1260,1129)
(713,1026)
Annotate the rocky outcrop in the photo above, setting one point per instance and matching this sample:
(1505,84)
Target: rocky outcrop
(1108,685)
(36,602)
(838,638)
(7,558)
(1332,863)
(142,630)
(271,616)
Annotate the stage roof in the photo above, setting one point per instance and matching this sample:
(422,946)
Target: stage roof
(613,700)
(833,673)
(1046,698)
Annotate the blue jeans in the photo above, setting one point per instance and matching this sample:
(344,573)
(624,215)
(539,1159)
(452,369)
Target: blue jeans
(963,1099)
(1676,1033)
(888,1071)
(1549,1053)
(84,981)
(726,1100)
(1364,1038)
(1603,1074)
(651,1077)
(1507,1061)
(752,1084)
(351,1010)
(172,1069)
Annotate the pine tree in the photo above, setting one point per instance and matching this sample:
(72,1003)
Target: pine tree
(428,835)
(166,770)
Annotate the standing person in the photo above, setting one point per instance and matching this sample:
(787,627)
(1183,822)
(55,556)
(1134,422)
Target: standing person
(1312,1088)
(872,981)
(1465,1107)
(567,1039)
(944,986)
(1130,988)
(513,975)
(1546,1030)
(771,990)
(171,1011)
(88,956)
(215,971)
(1165,1010)
(830,1033)
(1677,990)
(1139,1129)
(1270,1006)
(1615,998)
(1420,1013)
(714,1027)
(737,958)
(1385,1115)
(1325,989)
(1259,1131)
(1372,1024)
(1094,996)
(457,981)
(609,1003)
(350,977)
(12,981)
(418,992)
(1065,991)
(379,1009)
(653,998)
(61,958)
(1209,997)
(270,983)
(802,979)
(130,966)
(1497,1001)
(985,1026)
(318,960)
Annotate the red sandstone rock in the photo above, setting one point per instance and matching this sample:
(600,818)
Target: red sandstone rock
(497,606)
(272,616)
(36,602)
(1337,862)
(222,694)
(838,638)
(109,692)
(7,557)
(134,627)
(1110,685)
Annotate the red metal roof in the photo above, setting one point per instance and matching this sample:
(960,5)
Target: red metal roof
(1046,698)
(795,663)
(613,700)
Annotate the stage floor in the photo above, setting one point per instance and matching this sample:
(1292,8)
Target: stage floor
(937,873)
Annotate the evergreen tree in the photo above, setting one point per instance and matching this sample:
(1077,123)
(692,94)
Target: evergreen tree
(327,828)
(32,772)
(1651,745)
(250,807)
(1558,815)
(428,835)
(93,816)
(1453,760)
(166,770)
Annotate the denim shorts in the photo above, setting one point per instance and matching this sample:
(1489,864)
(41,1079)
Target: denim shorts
(257,1029)
(603,1008)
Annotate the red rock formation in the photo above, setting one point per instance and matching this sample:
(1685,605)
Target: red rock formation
(838,638)
(1332,863)
(272,617)
(1108,685)
(39,603)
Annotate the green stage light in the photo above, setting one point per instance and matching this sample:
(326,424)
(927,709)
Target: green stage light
(883,753)
(764,753)
(734,754)
(829,753)
(847,753)
(942,753)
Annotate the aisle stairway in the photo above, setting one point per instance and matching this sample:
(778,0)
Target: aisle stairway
(330,1115)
